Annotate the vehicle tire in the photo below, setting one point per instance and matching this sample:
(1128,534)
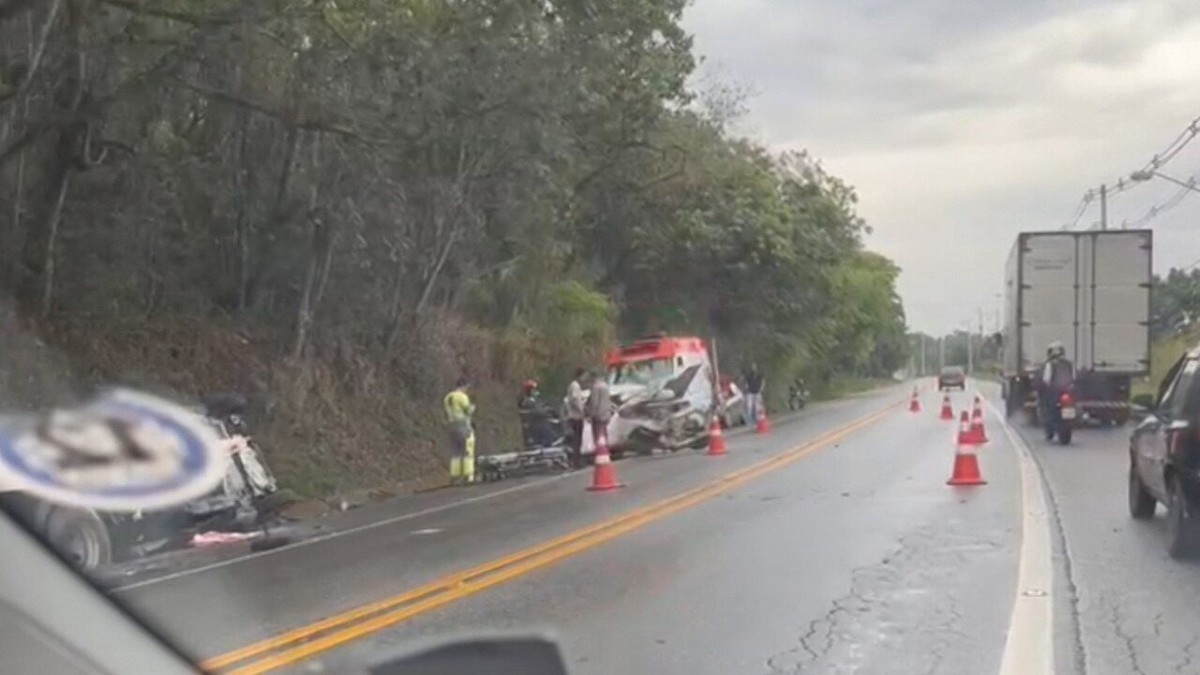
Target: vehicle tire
(1141,502)
(1181,525)
(80,536)
(1064,436)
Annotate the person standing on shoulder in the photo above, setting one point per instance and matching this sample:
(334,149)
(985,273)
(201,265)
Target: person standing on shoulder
(575,402)
(754,393)
(599,409)
(459,411)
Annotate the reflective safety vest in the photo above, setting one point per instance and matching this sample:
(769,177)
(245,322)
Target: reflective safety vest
(458,409)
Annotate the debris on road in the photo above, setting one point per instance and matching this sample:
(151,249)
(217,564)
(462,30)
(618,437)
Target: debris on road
(204,539)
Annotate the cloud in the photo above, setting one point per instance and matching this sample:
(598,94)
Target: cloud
(963,123)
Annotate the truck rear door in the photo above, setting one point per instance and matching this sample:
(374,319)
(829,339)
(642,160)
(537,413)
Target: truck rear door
(1115,301)
(1048,309)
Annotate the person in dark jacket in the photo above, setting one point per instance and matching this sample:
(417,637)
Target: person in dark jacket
(1058,376)
(754,393)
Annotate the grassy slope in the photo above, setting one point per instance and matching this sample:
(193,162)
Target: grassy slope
(1164,352)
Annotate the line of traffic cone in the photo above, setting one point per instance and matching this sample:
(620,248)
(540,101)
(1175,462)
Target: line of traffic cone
(966,463)
(947,409)
(914,404)
(604,473)
(965,435)
(966,467)
(977,431)
(763,426)
(716,439)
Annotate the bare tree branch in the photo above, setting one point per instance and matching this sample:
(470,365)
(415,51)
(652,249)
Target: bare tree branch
(38,52)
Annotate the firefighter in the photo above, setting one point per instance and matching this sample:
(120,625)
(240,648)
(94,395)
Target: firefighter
(459,411)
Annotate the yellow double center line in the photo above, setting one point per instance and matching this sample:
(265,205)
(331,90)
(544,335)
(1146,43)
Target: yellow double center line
(308,641)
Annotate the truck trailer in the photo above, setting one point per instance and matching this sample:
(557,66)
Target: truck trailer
(1091,292)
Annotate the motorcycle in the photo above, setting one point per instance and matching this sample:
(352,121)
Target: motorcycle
(1061,418)
(797,398)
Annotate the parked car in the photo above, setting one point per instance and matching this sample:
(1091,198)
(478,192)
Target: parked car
(952,377)
(1164,456)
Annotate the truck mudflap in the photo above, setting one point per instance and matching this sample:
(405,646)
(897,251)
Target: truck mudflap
(1106,412)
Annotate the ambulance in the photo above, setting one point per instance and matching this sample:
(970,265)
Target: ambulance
(665,394)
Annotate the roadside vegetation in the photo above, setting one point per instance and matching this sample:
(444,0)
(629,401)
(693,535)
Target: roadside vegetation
(1175,306)
(338,207)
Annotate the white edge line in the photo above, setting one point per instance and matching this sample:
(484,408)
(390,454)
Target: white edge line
(368,526)
(337,533)
(1029,647)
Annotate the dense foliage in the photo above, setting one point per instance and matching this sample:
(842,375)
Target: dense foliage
(1174,301)
(340,205)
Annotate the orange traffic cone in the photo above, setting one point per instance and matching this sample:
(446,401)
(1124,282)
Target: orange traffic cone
(914,404)
(604,475)
(965,436)
(978,433)
(716,439)
(947,410)
(966,466)
(763,426)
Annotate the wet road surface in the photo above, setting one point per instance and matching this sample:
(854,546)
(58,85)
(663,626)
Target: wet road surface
(1124,606)
(851,556)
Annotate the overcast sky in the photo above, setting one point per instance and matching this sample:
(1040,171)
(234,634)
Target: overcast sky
(963,122)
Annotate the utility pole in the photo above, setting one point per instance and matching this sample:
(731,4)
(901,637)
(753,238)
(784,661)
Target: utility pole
(980,333)
(942,352)
(970,361)
(922,354)
(1104,207)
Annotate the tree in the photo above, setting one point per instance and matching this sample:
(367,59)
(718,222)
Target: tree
(340,207)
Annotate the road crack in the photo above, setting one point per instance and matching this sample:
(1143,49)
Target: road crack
(1187,657)
(1130,649)
(897,613)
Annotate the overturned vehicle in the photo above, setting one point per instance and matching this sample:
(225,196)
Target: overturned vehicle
(246,500)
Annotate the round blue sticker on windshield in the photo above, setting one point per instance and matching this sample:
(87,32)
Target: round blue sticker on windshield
(123,450)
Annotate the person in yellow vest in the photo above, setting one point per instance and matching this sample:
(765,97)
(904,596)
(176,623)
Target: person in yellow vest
(459,410)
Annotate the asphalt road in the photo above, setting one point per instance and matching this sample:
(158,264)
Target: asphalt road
(850,556)
(1123,606)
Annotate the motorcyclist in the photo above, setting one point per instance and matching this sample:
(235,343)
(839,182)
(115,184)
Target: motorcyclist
(1058,376)
(797,392)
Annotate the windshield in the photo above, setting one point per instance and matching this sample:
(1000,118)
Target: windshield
(644,372)
(278,278)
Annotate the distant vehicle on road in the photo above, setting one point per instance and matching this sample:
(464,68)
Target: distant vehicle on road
(1091,292)
(952,377)
(1164,456)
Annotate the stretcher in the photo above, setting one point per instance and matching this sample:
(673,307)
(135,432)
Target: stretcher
(537,460)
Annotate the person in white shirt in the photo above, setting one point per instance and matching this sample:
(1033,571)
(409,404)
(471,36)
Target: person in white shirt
(575,402)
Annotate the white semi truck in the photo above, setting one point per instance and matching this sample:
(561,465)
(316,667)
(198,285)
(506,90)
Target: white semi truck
(1091,292)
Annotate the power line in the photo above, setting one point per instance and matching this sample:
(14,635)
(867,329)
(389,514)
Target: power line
(1176,146)
(1170,203)
(1159,160)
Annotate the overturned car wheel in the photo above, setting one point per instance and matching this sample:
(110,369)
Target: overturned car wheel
(80,536)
